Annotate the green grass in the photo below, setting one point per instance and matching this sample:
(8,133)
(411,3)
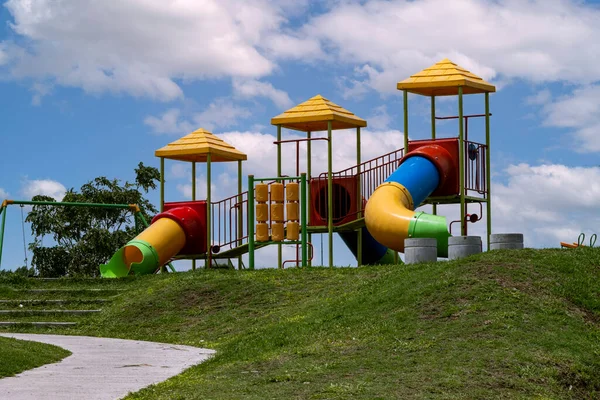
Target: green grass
(500,325)
(19,355)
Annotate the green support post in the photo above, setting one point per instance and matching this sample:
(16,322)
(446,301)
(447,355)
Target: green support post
(488,175)
(208,210)
(240,221)
(330,192)
(162,184)
(433,136)
(308,176)
(279,253)
(405,101)
(250,221)
(193,199)
(359,238)
(461,149)
(3,212)
(142,218)
(303,222)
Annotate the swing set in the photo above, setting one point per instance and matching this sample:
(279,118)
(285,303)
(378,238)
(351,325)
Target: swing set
(134,208)
(580,242)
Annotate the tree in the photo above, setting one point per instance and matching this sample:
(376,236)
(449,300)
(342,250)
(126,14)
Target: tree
(86,237)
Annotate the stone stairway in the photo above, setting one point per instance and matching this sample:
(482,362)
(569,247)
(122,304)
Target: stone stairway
(65,302)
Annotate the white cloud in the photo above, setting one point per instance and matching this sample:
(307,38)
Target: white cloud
(3,194)
(254,88)
(549,203)
(141,47)
(508,38)
(169,122)
(380,120)
(542,97)
(219,114)
(46,187)
(150,47)
(39,91)
(579,111)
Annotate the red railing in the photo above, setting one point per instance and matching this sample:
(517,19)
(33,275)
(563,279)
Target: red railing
(372,174)
(228,222)
(475,167)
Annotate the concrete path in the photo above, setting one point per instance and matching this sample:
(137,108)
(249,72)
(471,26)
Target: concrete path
(99,368)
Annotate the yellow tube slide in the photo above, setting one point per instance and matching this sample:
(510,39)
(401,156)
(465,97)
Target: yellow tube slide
(388,214)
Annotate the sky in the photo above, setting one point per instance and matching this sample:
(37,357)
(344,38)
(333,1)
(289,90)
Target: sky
(92,88)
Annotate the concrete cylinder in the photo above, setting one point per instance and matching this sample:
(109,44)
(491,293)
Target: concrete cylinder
(463,246)
(500,241)
(421,250)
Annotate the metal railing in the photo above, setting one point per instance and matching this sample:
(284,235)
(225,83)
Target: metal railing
(229,225)
(475,167)
(372,174)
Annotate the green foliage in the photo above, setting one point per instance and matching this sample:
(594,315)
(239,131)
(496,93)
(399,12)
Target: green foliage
(23,272)
(87,237)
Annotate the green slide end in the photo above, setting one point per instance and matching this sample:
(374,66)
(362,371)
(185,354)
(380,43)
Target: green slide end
(389,258)
(430,226)
(117,267)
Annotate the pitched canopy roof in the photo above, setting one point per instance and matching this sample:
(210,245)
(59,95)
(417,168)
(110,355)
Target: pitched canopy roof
(313,115)
(444,79)
(196,146)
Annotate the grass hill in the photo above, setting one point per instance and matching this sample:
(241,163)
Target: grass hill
(500,325)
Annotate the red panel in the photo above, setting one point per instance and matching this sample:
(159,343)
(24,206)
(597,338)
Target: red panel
(451,185)
(345,200)
(198,244)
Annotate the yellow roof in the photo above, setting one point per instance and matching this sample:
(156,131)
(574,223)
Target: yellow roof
(197,145)
(444,79)
(313,114)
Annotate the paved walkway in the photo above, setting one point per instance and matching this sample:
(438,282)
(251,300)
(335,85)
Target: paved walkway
(99,368)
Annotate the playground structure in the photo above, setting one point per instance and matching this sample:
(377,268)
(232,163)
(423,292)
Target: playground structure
(370,205)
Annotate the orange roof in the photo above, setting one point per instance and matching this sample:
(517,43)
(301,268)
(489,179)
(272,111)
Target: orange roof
(444,79)
(196,146)
(313,115)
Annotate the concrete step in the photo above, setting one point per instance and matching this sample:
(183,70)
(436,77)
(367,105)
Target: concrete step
(36,323)
(52,301)
(46,312)
(68,290)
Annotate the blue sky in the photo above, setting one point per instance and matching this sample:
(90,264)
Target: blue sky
(91,90)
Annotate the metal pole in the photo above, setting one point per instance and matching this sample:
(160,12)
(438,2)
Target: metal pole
(330,192)
(488,174)
(162,184)
(279,254)
(461,147)
(3,212)
(359,238)
(251,221)
(240,208)
(433,117)
(193,199)
(307,200)
(433,135)
(208,210)
(405,100)
(303,220)
(143,219)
